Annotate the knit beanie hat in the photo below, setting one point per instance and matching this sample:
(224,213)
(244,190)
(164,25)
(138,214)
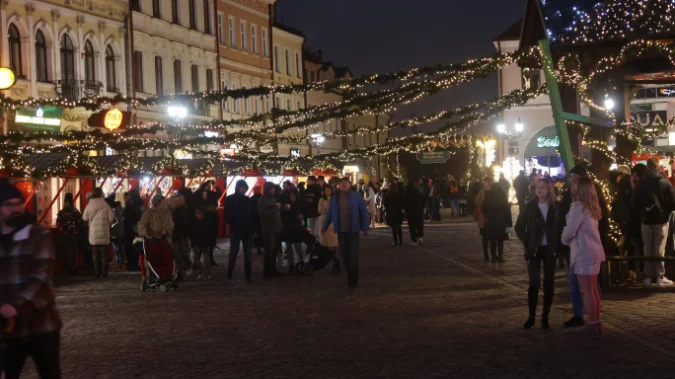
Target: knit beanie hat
(156,200)
(8,191)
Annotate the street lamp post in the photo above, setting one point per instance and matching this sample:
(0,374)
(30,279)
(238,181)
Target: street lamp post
(504,130)
(7,81)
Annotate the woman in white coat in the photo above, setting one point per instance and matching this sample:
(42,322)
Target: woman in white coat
(100,217)
(586,252)
(370,203)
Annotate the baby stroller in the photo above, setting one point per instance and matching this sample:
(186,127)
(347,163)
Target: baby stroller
(157,267)
(317,256)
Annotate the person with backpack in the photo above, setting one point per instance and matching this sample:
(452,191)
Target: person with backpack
(653,203)
(69,221)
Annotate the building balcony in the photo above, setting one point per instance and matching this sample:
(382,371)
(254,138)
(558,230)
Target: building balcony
(78,89)
(202,108)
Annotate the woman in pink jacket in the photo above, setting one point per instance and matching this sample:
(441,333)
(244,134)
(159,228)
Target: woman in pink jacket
(586,253)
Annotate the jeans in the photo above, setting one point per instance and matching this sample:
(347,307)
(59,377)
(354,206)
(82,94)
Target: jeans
(272,249)
(291,250)
(118,248)
(575,293)
(434,209)
(178,249)
(416,226)
(654,240)
(544,256)
(314,226)
(397,233)
(207,252)
(100,256)
(71,250)
(454,204)
(43,348)
(246,240)
(348,245)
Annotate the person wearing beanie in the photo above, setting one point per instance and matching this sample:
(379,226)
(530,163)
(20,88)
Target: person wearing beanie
(240,216)
(100,217)
(69,221)
(156,221)
(576,173)
(26,291)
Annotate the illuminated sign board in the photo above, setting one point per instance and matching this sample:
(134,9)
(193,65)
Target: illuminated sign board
(295,153)
(46,118)
(548,142)
(113,119)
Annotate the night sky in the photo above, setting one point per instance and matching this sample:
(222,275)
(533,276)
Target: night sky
(384,35)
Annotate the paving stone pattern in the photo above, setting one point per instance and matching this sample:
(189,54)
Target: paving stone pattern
(431,312)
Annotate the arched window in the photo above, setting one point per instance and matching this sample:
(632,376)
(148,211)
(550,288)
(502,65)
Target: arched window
(110,78)
(15,63)
(67,59)
(89,65)
(41,57)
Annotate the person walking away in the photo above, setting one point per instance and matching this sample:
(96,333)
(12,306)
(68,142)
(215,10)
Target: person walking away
(654,202)
(521,186)
(480,218)
(576,173)
(270,228)
(461,198)
(27,296)
(199,231)
(393,204)
(240,216)
(328,239)
(100,217)
(370,203)
(292,220)
(349,215)
(621,213)
(582,235)
(536,229)
(311,199)
(258,241)
(454,197)
(414,209)
(117,233)
(505,183)
(133,210)
(179,216)
(497,212)
(69,222)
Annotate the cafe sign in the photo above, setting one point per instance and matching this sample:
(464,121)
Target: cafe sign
(548,142)
(46,118)
(113,119)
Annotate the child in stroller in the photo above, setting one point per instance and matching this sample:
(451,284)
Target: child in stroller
(317,256)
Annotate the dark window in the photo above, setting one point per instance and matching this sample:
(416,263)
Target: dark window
(15,62)
(207,17)
(41,57)
(193,14)
(110,75)
(195,78)
(89,65)
(67,59)
(209,79)
(177,76)
(155,9)
(136,5)
(174,11)
(138,70)
(311,76)
(531,78)
(159,76)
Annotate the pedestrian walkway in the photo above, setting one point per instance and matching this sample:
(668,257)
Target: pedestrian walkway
(432,312)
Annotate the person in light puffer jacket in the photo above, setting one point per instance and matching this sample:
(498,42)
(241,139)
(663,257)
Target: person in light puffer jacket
(99,216)
(581,234)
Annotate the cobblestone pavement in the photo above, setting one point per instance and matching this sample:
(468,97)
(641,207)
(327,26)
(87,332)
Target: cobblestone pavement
(431,312)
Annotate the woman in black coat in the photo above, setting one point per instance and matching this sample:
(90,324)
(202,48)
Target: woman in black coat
(536,229)
(497,212)
(393,205)
(293,225)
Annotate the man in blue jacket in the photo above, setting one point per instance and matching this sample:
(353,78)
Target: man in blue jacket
(349,215)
